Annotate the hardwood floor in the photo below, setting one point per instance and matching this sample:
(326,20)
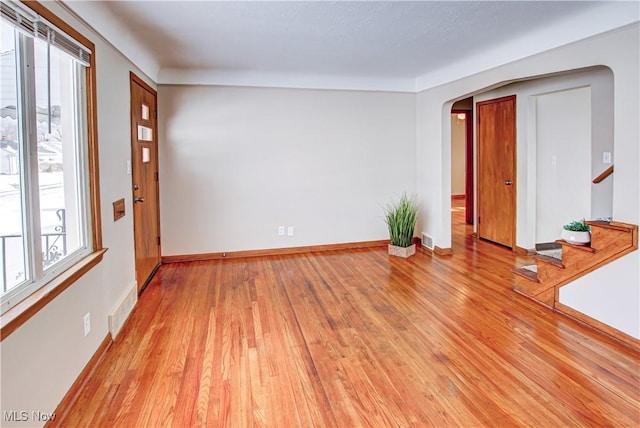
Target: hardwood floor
(356,338)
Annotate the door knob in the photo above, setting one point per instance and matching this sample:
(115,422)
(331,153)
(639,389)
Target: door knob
(507,182)
(138,199)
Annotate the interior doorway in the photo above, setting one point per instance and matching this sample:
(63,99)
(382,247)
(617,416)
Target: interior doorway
(462,156)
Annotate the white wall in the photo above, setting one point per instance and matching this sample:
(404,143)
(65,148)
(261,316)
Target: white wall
(43,357)
(563,159)
(236,163)
(609,294)
(618,50)
(458,145)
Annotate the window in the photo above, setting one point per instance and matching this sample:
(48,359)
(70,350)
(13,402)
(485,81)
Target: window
(47,221)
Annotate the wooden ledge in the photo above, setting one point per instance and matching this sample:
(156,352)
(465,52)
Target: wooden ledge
(526,273)
(23,311)
(623,227)
(586,248)
(549,260)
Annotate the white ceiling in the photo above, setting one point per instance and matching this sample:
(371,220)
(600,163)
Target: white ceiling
(388,45)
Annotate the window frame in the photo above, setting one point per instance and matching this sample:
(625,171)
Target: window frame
(23,311)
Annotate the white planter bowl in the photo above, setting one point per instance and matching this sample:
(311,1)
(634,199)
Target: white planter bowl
(576,238)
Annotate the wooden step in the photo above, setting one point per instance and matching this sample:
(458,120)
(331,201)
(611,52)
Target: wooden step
(549,260)
(586,248)
(548,246)
(623,227)
(609,241)
(526,273)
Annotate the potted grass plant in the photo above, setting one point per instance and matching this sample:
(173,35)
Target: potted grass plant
(576,233)
(401,217)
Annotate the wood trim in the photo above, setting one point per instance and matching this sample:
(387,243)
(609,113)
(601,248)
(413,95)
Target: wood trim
(469,177)
(23,311)
(593,323)
(73,393)
(94,160)
(92,119)
(273,251)
(436,250)
(134,77)
(586,248)
(526,273)
(549,260)
(442,251)
(607,172)
(454,197)
(611,225)
(533,299)
(524,251)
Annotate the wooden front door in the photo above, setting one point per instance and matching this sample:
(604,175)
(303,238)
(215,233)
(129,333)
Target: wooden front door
(496,130)
(144,170)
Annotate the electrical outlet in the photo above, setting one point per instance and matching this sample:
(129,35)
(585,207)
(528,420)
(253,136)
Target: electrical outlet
(606,157)
(87,324)
(280,230)
(290,231)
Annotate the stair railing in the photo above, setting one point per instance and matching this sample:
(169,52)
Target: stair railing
(607,172)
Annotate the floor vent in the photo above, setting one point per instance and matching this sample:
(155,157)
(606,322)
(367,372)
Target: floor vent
(427,241)
(122,311)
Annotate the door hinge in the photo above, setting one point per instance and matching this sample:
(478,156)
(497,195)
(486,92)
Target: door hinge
(155,175)
(155,114)
(158,240)
(478,219)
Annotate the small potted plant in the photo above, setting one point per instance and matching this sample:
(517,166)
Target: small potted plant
(576,232)
(401,219)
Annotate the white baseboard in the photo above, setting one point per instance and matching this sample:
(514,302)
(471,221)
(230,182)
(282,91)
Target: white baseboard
(122,311)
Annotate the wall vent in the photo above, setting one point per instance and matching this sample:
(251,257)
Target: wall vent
(427,241)
(122,311)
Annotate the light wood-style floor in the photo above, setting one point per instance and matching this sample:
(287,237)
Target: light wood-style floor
(356,338)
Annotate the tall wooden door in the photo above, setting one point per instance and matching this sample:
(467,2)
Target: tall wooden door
(144,171)
(496,130)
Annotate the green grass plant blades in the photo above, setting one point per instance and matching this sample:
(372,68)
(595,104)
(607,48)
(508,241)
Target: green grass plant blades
(401,219)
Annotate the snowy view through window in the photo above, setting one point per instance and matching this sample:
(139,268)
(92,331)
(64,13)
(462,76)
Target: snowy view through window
(56,192)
